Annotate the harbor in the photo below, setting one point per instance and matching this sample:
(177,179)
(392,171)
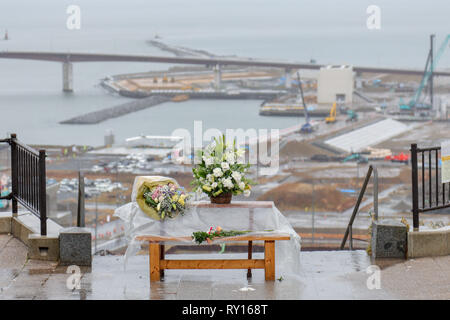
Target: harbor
(284,94)
(117,181)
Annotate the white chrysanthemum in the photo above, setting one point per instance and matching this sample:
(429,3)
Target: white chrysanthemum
(241,185)
(247,193)
(228,183)
(230,158)
(208,161)
(217,172)
(210,177)
(236,176)
(214,185)
(225,166)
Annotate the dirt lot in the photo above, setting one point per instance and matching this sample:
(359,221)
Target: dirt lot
(299,196)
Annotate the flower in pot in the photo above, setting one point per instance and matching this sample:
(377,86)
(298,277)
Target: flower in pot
(221,172)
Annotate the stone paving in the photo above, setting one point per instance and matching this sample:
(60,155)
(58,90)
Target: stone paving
(323,275)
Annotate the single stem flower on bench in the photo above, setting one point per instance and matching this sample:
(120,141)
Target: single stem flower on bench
(201,236)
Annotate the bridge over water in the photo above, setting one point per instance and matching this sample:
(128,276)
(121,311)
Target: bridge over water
(67,60)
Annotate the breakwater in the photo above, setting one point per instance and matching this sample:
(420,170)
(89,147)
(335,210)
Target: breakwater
(117,111)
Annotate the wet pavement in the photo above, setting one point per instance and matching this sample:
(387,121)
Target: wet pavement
(323,275)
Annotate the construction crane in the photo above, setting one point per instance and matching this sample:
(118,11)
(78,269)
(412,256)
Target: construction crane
(307,127)
(332,117)
(427,77)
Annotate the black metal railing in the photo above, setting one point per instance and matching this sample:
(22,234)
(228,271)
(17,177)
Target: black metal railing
(433,194)
(349,230)
(28,180)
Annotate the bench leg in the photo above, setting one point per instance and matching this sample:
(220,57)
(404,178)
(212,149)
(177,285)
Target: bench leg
(250,249)
(154,257)
(269,259)
(162,249)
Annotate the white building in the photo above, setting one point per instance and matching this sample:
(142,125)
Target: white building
(335,84)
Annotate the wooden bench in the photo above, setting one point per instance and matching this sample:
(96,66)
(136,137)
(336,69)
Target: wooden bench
(158,263)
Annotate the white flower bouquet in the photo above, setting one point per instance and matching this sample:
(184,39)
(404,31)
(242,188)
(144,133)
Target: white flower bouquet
(221,173)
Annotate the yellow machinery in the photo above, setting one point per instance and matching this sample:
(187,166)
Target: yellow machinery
(332,117)
(180,98)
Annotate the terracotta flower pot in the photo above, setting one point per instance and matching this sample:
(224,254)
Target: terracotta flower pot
(223,198)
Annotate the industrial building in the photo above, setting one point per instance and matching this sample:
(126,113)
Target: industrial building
(335,84)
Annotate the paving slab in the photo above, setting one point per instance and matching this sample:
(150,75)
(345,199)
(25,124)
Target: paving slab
(421,278)
(323,275)
(4,239)
(13,253)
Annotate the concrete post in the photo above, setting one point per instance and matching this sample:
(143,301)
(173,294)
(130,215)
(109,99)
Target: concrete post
(288,78)
(75,247)
(389,239)
(217,76)
(67,77)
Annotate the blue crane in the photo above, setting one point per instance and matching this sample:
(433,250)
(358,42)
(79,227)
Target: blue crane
(429,69)
(307,127)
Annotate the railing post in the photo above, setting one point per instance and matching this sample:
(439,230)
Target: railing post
(375,192)
(80,210)
(356,208)
(415,187)
(42,193)
(14,174)
(351,237)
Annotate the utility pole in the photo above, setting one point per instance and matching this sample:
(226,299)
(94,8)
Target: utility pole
(81,197)
(431,68)
(96,221)
(313,212)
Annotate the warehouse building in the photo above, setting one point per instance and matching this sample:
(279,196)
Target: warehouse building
(335,84)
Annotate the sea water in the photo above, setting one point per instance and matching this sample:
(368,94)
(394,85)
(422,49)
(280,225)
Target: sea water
(32,102)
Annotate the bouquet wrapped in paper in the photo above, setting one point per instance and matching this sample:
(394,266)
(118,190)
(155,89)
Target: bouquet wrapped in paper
(159,197)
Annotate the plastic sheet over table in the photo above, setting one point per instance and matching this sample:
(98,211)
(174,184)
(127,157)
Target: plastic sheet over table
(256,216)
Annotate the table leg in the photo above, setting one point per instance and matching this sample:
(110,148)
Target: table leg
(269,259)
(154,257)
(250,243)
(250,250)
